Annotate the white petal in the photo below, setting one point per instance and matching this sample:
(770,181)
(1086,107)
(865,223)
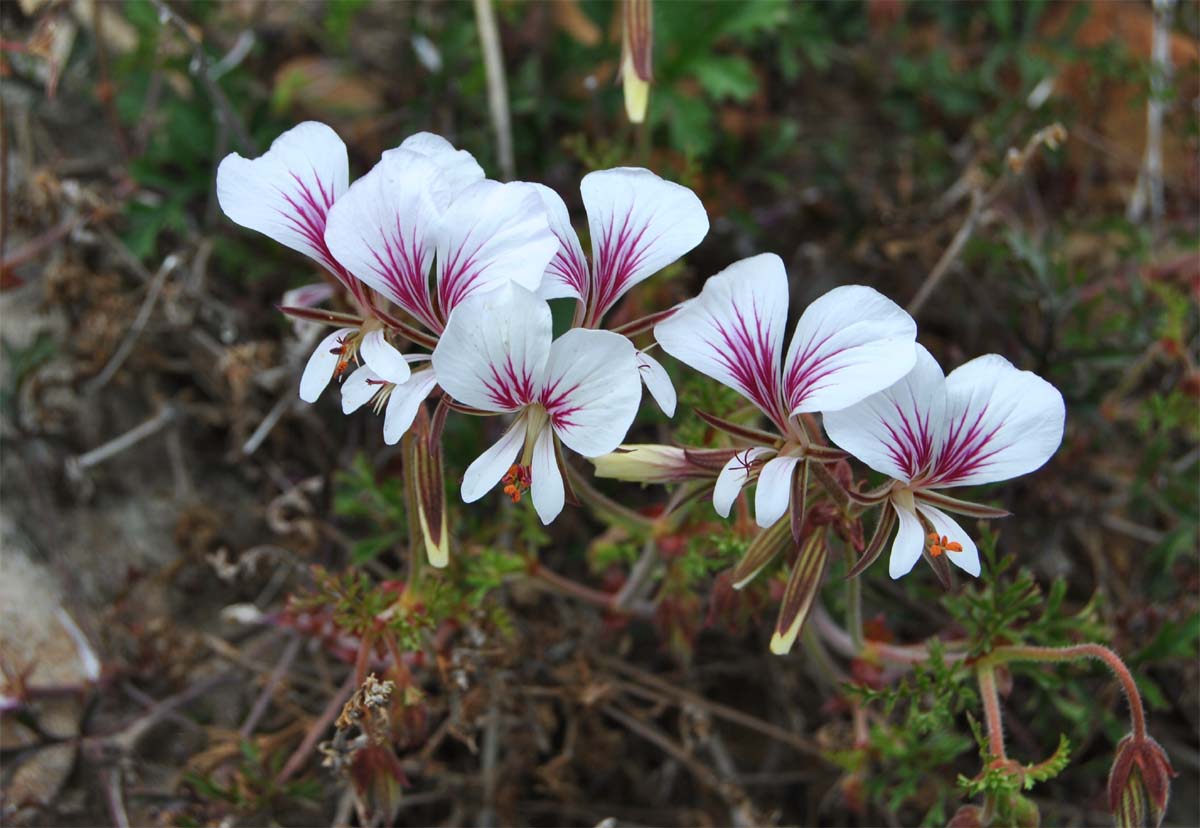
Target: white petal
(567,273)
(774,491)
(457,169)
(383,358)
(404,402)
(909,542)
(966,560)
(546,486)
(382,230)
(492,234)
(307,296)
(658,382)
(733,331)
(1000,423)
(733,477)
(848,344)
(493,352)
(896,431)
(319,370)
(287,192)
(639,223)
(359,388)
(493,464)
(592,390)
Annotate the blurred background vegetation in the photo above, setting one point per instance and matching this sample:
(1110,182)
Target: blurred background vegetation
(165,493)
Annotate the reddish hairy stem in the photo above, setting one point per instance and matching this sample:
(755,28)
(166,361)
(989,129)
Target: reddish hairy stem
(1137,714)
(986,674)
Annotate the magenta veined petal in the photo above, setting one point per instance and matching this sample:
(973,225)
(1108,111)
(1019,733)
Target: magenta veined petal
(490,235)
(848,344)
(733,331)
(567,275)
(639,223)
(1000,423)
(382,231)
(592,389)
(287,192)
(492,354)
(898,430)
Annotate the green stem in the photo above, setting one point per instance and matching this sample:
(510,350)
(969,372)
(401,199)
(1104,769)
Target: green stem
(986,674)
(854,613)
(1137,713)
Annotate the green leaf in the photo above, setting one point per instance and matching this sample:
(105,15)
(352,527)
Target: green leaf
(726,77)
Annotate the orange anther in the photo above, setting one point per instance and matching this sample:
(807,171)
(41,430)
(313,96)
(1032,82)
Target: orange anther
(932,537)
(954,546)
(936,551)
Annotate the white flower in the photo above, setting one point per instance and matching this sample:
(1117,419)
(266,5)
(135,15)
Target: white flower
(986,422)
(639,224)
(496,355)
(386,378)
(848,344)
(425,198)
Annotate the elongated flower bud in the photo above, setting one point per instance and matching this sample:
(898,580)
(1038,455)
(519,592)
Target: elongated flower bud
(1139,784)
(637,50)
(650,463)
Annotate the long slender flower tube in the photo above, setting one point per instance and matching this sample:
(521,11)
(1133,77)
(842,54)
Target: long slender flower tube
(847,345)
(985,422)
(639,224)
(425,203)
(497,355)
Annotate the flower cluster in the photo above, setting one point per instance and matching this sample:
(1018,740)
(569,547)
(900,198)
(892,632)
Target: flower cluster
(484,334)
(434,255)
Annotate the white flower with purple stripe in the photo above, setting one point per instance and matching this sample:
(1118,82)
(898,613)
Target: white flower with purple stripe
(582,389)
(986,422)
(639,224)
(847,345)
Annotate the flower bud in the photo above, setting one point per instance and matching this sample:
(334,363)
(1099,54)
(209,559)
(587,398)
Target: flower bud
(1139,783)
(649,463)
(637,49)
(968,816)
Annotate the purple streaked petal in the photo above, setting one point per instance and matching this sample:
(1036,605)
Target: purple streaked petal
(1000,423)
(639,223)
(733,331)
(567,274)
(848,344)
(492,234)
(895,431)
(382,231)
(592,390)
(287,192)
(492,355)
